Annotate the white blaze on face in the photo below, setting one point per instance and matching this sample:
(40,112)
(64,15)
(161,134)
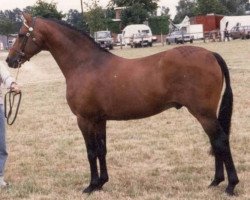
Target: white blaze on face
(25,23)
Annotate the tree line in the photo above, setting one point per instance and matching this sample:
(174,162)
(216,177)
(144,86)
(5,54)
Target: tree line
(202,7)
(93,17)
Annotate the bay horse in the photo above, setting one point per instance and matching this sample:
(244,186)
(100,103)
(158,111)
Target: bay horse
(101,86)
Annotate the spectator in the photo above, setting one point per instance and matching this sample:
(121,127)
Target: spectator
(8,81)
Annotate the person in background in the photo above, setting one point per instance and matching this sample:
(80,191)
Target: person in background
(226,35)
(8,81)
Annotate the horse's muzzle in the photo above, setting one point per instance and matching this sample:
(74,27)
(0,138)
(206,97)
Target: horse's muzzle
(12,62)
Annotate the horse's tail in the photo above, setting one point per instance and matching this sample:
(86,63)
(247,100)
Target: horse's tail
(226,106)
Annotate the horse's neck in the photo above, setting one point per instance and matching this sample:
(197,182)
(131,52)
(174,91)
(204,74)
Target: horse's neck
(70,48)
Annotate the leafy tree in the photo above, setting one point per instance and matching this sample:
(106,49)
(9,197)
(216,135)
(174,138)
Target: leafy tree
(113,26)
(95,17)
(165,11)
(15,18)
(159,24)
(46,10)
(6,27)
(76,19)
(185,7)
(10,21)
(234,7)
(209,6)
(134,14)
(136,11)
(203,7)
(149,5)
(224,7)
(110,13)
(28,9)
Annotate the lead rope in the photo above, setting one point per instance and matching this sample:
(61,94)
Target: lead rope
(9,102)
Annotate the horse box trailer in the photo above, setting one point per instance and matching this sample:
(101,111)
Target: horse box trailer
(134,29)
(195,30)
(210,22)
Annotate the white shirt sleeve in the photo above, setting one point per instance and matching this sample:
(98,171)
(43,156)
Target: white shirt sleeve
(5,76)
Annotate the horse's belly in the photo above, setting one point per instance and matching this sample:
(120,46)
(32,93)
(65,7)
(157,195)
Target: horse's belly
(135,111)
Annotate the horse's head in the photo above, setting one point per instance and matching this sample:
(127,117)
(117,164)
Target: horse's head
(27,44)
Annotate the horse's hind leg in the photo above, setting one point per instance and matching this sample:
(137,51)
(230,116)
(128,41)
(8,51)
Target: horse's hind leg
(101,154)
(211,126)
(219,171)
(221,148)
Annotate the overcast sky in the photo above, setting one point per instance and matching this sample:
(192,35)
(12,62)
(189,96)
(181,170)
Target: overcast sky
(65,5)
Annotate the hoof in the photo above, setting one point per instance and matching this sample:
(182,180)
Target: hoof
(216,182)
(91,188)
(230,191)
(102,181)
(230,188)
(94,187)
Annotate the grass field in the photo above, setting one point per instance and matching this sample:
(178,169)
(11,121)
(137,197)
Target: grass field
(157,158)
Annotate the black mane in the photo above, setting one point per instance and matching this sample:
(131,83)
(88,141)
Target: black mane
(64,23)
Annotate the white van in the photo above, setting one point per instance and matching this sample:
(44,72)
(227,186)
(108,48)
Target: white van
(131,33)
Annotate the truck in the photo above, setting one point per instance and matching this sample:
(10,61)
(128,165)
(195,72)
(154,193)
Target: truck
(104,39)
(137,35)
(196,31)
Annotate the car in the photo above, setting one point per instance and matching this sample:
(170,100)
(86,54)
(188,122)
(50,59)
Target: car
(104,39)
(242,32)
(141,40)
(179,37)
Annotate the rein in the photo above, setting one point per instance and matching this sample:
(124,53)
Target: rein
(11,96)
(9,102)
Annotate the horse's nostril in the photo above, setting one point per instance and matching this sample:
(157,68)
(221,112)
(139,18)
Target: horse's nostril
(7,60)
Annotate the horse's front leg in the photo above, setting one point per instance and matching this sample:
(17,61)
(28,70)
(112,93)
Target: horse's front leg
(93,133)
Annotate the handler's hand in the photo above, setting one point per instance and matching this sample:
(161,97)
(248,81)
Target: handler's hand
(14,87)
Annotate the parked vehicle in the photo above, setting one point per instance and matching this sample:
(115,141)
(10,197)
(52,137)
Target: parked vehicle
(242,32)
(104,39)
(141,40)
(195,30)
(132,34)
(179,37)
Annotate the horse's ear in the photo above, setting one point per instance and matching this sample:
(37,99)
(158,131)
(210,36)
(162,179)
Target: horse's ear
(27,17)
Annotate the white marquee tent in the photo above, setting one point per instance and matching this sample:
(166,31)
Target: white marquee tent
(233,21)
(196,30)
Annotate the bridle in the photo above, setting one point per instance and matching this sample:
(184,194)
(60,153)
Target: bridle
(11,96)
(21,54)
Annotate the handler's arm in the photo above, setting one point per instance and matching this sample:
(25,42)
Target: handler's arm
(7,79)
